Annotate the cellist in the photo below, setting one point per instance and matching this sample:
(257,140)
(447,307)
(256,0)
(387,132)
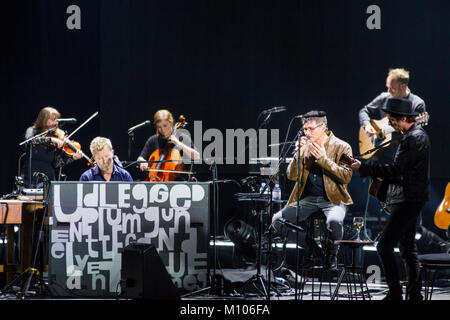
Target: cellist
(164,123)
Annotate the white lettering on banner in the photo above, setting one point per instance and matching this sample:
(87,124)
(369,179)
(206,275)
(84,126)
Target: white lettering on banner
(152,215)
(74,281)
(57,250)
(103,202)
(159,193)
(124,196)
(90,199)
(140,192)
(87,241)
(180,191)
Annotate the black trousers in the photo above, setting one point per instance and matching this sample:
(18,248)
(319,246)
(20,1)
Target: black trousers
(401,230)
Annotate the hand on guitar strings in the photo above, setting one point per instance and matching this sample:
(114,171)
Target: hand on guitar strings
(370,131)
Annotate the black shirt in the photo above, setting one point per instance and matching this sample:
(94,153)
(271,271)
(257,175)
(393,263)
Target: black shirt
(155,142)
(314,184)
(44,158)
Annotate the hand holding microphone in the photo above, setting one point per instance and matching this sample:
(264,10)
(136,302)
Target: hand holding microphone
(304,146)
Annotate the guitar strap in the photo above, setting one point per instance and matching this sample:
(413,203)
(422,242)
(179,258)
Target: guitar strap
(384,144)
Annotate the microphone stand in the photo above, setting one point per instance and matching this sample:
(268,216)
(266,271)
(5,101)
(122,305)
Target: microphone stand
(29,143)
(213,287)
(297,209)
(300,133)
(131,135)
(269,184)
(130,139)
(213,168)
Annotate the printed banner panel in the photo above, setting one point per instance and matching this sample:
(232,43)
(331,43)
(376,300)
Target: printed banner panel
(92,222)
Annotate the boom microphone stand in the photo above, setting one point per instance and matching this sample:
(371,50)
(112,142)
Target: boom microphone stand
(213,287)
(296,139)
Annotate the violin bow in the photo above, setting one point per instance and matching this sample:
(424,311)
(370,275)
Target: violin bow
(81,125)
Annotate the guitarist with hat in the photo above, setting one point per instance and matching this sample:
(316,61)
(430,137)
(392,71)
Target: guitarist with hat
(409,178)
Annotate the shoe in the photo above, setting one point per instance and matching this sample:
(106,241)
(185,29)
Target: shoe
(393,296)
(415,297)
(331,262)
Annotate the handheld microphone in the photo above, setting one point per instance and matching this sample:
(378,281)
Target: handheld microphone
(68,120)
(314,114)
(143,124)
(274,109)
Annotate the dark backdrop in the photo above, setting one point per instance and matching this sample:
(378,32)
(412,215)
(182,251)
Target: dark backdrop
(221,62)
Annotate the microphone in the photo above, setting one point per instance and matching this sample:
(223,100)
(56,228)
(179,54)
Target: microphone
(313,114)
(68,120)
(117,161)
(143,124)
(274,109)
(290,224)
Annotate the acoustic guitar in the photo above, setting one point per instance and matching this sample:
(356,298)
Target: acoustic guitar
(378,187)
(442,214)
(383,133)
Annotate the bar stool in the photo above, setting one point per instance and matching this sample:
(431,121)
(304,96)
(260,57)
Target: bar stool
(353,272)
(316,229)
(430,264)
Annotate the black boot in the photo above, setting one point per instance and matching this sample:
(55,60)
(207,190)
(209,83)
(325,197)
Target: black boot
(331,261)
(331,255)
(394,296)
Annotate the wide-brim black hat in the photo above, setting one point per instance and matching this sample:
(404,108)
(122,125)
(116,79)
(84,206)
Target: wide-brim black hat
(399,106)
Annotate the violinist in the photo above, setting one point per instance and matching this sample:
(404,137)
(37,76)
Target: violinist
(164,123)
(108,167)
(47,152)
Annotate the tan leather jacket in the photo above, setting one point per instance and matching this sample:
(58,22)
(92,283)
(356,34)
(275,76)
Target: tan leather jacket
(335,177)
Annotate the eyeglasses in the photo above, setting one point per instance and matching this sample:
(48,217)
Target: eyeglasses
(312,128)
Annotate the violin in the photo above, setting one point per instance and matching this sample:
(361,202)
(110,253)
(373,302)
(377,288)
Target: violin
(70,147)
(168,164)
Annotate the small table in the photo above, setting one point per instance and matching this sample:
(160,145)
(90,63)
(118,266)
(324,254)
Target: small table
(354,272)
(18,212)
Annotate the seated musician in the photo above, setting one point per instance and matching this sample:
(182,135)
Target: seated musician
(47,155)
(164,123)
(323,183)
(106,168)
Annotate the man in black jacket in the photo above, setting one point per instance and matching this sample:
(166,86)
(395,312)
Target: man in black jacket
(409,178)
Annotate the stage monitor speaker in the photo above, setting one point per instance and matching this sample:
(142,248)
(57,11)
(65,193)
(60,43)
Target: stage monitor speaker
(144,276)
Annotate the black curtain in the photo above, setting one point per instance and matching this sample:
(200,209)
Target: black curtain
(221,62)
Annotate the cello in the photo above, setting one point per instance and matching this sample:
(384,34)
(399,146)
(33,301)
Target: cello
(168,164)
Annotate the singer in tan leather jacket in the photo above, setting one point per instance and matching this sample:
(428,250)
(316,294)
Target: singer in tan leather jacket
(323,182)
(335,176)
